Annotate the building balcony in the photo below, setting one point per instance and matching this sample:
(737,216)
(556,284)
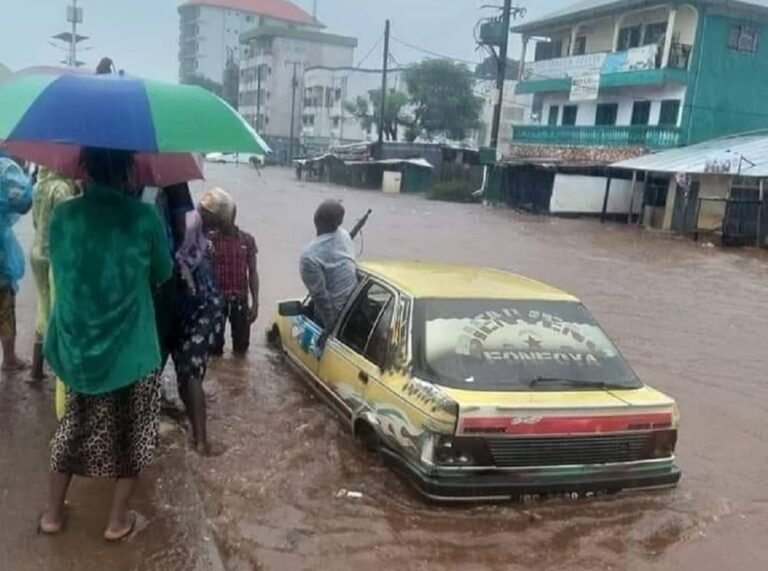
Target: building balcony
(640,66)
(648,44)
(649,137)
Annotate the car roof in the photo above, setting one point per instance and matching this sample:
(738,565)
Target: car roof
(453,281)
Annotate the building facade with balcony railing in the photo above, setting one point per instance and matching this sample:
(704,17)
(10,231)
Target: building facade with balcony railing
(636,74)
(612,79)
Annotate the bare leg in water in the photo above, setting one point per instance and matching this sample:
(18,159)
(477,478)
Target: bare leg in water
(193,396)
(53,519)
(38,373)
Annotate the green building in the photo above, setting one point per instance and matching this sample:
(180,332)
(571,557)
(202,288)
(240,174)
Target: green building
(652,74)
(616,79)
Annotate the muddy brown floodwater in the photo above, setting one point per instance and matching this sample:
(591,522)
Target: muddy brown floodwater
(691,319)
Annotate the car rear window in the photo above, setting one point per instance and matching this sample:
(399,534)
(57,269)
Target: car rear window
(504,345)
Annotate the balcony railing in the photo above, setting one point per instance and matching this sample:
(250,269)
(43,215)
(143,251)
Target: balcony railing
(680,56)
(642,58)
(649,137)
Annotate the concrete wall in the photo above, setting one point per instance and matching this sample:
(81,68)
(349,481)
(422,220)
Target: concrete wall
(728,88)
(624,97)
(577,194)
(645,17)
(686,23)
(599,35)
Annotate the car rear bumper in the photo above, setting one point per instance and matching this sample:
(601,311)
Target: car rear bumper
(502,485)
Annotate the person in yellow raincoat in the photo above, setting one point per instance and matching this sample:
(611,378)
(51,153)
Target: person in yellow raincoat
(50,191)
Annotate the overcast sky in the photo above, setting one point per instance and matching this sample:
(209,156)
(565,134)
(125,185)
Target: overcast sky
(142,35)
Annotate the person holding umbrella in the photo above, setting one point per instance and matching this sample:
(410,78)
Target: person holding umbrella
(108,253)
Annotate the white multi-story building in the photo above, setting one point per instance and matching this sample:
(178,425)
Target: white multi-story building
(325,120)
(275,56)
(210,31)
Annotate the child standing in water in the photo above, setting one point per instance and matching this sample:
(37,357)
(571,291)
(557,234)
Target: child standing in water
(235,271)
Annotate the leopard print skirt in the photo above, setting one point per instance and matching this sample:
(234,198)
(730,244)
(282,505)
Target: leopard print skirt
(113,435)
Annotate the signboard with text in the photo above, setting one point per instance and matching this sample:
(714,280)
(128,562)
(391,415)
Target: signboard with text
(586,70)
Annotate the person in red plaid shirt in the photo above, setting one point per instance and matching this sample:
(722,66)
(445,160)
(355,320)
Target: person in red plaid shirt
(235,271)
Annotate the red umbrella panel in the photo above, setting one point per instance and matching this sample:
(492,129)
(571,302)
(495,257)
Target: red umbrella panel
(150,169)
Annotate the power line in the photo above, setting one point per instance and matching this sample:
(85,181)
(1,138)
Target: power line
(373,47)
(432,53)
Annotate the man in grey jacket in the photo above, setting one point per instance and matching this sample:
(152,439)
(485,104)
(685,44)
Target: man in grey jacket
(327,265)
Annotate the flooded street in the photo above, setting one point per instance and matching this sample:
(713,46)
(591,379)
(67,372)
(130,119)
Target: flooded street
(690,319)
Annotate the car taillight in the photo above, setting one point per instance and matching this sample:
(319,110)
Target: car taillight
(663,443)
(454,451)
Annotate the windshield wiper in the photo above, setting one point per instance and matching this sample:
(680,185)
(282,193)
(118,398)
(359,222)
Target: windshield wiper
(573,382)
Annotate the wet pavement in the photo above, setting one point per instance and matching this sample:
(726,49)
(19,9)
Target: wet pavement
(175,533)
(691,320)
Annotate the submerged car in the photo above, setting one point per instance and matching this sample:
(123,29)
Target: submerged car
(477,384)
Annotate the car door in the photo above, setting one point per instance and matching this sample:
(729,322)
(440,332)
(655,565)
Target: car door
(355,355)
(303,342)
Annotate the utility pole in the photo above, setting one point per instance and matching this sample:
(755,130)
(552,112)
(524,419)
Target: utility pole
(383,105)
(258,98)
(294,87)
(501,74)
(73,41)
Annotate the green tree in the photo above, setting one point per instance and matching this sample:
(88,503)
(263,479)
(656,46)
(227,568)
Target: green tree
(367,110)
(442,99)
(488,69)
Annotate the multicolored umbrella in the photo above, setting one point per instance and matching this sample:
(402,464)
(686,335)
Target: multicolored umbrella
(150,169)
(125,113)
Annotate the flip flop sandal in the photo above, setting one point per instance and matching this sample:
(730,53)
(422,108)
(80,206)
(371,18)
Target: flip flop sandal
(134,517)
(41,531)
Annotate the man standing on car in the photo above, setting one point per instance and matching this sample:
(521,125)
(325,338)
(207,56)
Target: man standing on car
(327,265)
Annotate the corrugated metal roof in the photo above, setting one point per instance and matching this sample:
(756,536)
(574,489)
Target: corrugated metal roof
(751,151)
(589,9)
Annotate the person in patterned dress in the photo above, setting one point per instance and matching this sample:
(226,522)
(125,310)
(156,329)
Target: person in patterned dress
(197,323)
(108,252)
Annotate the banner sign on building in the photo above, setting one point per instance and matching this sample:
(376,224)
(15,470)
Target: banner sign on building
(585,87)
(635,59)
(586,70)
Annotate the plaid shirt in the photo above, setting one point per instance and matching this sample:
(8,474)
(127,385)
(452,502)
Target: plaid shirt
(231,253)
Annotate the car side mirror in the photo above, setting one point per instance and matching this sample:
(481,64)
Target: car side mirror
(290,308)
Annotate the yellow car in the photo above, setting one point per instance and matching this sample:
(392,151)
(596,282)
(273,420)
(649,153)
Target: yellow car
(478,384)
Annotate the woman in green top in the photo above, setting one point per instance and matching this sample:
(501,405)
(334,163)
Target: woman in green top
(108,252)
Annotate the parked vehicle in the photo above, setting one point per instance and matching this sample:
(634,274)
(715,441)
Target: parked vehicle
(236,158)
(479,384)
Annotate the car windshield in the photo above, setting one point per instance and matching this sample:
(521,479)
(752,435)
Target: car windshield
(515,345)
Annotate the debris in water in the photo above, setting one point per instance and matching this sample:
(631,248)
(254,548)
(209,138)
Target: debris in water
(349,494)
